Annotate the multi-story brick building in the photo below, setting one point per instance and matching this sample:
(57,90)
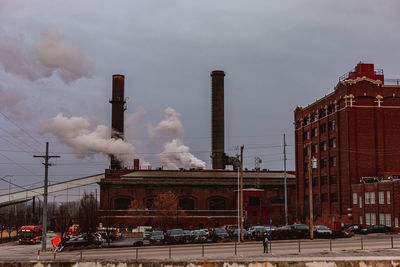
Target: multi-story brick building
(353,132)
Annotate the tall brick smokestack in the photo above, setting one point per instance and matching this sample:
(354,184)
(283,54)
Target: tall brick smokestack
(117,115)
(218,127)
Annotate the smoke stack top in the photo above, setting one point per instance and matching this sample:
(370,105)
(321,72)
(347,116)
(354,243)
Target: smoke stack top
(117,115)
(218,121)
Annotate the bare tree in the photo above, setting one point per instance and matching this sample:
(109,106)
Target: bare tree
(63,219)
(88,213)
(166,206)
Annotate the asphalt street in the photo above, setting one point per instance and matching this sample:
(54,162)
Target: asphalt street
(358,246)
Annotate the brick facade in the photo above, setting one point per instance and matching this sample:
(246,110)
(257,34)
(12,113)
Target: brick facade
(352,133)
(210,197)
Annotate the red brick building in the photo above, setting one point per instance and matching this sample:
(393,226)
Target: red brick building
(353,132)
(206,198)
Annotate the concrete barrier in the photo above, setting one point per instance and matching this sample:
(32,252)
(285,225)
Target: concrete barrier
(294,263)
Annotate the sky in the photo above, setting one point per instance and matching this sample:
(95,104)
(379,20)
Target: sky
(57,59)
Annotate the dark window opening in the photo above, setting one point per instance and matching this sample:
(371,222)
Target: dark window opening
(324,180)
(322,128)
(333,179)
(150,203)
(122,203)
(324,197)
(314,132)
(332,125)
(254,213)
(217,203)
(186,204)
(254,201)
(315,181)
(323,163)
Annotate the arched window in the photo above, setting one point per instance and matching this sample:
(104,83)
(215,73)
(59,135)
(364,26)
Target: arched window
(186,203)
(122,203)
(217,203)
(149,203)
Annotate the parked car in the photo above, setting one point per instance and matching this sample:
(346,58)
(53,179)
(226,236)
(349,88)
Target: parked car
(237,232)
(322,231)
(219,234)
(379,228)
(354,228)
(199,236)
(258,232)
(83,240)
(293,231)
(175,236)
(157,237)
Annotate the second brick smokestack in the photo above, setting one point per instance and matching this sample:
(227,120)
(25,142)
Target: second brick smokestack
(218,127)
(117,115)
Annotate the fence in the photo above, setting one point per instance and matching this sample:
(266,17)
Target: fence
(233,249)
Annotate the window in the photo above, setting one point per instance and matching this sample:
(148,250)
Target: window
(322,145)
(306,182)
(387,197)
(315,181)
(323,163)
(216,203)
(149,203)
(306,135)
(305,121)
(372,197)
(314,148)
(382,218)
(332,161)
(186,203)
(331,109)
(373,219)
(367,198)
(122,203)
(322,128)
(368,218)
(313,117)
(332,125)
(360,201)
(324,197)
(314,132)
(254,201)
(381,197)
(306,167)
(388,218)
(333,179)
(396,222)
(322,113)
(333,197)
(332,142)
(354,198)
(361,220)
(254,213)
(324,180)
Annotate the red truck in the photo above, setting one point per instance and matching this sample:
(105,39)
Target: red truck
(30,234)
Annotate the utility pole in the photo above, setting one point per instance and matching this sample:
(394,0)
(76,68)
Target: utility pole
(285,178)
(241,194)
(46,180)
(310,192)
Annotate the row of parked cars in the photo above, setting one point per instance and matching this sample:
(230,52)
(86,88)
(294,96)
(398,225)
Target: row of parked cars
(180,236)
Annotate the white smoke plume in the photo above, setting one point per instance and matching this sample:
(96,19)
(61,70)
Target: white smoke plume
(41,60)
(76,133)
(12,104)
(170,125)
(174,151)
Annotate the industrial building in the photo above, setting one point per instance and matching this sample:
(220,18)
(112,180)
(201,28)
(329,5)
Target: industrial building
(344,139)
(199,198)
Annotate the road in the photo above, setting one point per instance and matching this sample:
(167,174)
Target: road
(379,243)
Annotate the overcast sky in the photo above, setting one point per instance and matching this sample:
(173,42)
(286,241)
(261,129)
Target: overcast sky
(59,57)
